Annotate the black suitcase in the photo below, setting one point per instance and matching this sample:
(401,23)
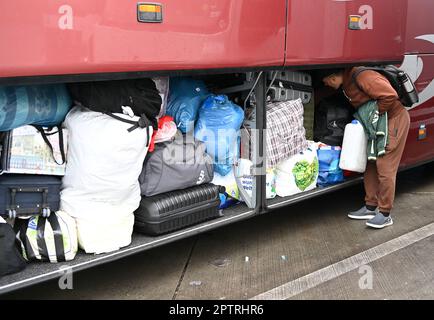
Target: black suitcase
(24,195)
(175,210)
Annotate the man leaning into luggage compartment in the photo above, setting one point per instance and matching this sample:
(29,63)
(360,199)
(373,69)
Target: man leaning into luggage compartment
(380,175)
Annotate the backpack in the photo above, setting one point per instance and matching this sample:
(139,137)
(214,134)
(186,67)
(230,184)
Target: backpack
(331,117)
(399,80)
(108,97)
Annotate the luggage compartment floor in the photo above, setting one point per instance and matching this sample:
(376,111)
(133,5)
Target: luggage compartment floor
(279,202)
(37,272)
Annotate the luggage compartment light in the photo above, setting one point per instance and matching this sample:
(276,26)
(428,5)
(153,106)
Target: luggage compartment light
(422,132)
(149,12)
(354,23)
(149,8)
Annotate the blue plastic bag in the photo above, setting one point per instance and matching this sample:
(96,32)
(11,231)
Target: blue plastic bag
(329,171)
(185,98)
(44,105)
(226,201)
(218,125)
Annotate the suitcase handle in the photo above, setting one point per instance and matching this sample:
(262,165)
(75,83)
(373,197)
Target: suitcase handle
(13,210)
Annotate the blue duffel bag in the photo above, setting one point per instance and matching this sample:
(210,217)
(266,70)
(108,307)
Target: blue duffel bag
(43,105)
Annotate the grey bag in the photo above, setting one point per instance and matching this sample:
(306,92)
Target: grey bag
(176,165)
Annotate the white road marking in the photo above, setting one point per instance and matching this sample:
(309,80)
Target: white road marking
(335,270)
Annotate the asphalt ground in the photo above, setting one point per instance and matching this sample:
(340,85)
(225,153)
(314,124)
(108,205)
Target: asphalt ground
(310,250)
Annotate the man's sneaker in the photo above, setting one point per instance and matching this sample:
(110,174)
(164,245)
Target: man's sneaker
(363,214)
(380,221)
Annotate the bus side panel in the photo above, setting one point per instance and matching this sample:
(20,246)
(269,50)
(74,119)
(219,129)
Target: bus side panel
(420,27)
(319,33)
(420,66)
(422,114)
(76,36)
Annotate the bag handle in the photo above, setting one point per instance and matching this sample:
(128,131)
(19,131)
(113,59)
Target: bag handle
(143,122)
(61,143)
(58,238)
(13,209)
(40,235)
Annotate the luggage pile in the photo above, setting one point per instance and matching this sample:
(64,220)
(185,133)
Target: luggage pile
(341,141)
(105,158)
(34,148)
(304,140)
(292,162)
(70,161)
(184,179)
(84,165)
(111,128)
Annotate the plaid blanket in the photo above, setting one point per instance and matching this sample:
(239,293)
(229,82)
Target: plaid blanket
(286,135)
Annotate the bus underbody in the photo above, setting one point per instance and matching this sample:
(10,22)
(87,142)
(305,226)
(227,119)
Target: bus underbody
(236,84)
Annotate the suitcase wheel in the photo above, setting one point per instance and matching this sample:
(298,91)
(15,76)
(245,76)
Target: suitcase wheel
(12,214)
(46,212)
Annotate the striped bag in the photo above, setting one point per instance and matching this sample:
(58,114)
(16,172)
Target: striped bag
(52,239)
(286,135)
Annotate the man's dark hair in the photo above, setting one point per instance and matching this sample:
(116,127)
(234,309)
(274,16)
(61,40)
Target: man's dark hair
(321,74)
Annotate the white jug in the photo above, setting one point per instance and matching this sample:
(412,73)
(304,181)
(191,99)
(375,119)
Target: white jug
(353,155)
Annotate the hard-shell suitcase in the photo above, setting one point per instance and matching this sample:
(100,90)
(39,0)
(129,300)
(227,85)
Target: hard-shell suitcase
(177,209)
(23,195)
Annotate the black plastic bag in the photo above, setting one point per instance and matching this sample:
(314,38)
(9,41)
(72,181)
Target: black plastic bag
(141,95)
(11,260)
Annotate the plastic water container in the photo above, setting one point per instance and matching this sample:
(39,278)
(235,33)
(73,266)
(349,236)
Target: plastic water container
(353,155)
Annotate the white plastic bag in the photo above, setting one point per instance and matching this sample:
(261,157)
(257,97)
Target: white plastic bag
(297,174)
(227,181)
(100,188)
(270,183)
(247,180)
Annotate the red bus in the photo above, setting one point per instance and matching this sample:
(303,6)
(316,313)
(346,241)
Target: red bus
(61,41)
